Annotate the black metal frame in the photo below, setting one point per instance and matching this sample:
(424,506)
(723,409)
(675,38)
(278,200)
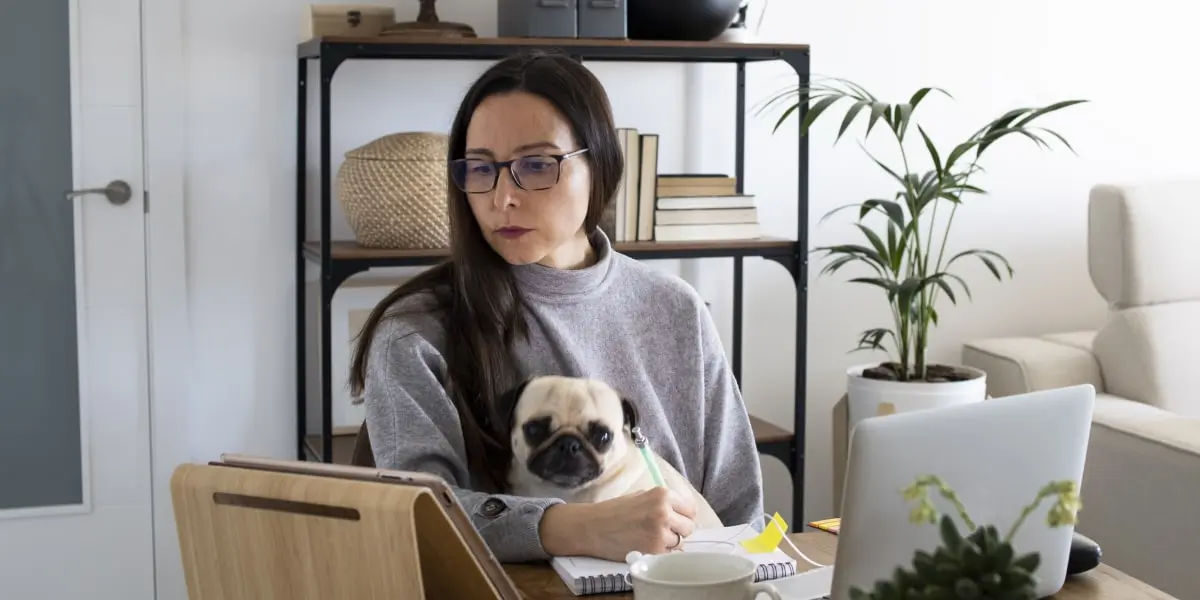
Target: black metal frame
(332,52)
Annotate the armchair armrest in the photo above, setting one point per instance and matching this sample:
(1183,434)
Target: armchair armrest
(1174,435)
(1141,487)
(1017,365)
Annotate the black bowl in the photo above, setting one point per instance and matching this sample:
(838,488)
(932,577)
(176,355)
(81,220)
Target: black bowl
(679,20)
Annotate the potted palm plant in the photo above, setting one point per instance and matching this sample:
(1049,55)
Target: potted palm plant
(904,250)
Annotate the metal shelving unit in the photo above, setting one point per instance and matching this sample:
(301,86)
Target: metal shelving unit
(339,260)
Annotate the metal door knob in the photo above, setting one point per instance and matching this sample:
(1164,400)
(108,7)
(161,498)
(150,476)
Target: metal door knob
(118,192)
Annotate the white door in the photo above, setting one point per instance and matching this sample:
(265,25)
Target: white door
(75,489)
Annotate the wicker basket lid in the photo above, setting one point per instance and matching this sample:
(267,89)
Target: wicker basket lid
(404,146)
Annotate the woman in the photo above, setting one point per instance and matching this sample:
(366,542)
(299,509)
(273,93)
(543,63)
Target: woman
(534,287)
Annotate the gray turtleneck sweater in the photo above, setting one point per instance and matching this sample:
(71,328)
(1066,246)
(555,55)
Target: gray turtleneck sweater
(621,321)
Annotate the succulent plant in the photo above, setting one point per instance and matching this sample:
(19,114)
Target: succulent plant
(981,565)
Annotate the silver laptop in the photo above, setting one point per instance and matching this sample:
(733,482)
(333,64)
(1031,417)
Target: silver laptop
(995,454)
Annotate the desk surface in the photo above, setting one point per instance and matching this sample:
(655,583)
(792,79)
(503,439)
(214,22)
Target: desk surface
(540,582)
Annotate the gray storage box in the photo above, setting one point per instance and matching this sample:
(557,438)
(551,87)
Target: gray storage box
(602,19)
(537,18)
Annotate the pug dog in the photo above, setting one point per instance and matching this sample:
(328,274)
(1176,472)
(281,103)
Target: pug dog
(572,438)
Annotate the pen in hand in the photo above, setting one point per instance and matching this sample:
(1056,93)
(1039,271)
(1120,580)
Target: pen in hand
(639,440)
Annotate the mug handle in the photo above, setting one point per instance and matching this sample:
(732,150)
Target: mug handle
(764,588)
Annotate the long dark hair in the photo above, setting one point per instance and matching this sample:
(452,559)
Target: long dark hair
(476,294)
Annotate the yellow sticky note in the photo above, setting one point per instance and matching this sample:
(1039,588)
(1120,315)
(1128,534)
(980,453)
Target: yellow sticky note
(769,539)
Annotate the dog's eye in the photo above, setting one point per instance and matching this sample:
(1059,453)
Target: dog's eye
(600,436)
(537,430)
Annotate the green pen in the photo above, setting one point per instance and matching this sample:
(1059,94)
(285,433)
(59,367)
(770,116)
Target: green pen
(639,440)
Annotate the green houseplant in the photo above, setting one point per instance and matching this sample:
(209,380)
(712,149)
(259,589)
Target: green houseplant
(982,564)
(904,250)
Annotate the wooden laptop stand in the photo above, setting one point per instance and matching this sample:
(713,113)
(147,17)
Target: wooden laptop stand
(258,535)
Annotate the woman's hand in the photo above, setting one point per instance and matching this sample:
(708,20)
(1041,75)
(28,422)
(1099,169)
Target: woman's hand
(651,522)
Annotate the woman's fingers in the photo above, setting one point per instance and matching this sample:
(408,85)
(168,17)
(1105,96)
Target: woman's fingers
(683,504)
(682,525)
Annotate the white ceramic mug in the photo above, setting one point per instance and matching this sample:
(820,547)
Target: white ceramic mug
(696,576)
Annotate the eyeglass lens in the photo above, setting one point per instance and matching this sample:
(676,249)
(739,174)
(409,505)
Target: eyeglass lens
(474,175)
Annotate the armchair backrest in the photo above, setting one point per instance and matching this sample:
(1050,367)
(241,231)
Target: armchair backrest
(1144,259)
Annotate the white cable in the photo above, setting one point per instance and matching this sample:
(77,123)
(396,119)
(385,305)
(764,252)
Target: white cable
(733,547)
(803,555)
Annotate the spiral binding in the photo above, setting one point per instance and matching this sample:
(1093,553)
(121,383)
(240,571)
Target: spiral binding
(618,582)
(605,584)
(771,571)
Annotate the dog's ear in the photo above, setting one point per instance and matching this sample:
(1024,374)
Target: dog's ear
(629,411)
(506,404)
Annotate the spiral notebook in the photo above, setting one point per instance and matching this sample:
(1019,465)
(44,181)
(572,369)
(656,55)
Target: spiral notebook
(586,575)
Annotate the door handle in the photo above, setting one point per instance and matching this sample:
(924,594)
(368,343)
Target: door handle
(117,192)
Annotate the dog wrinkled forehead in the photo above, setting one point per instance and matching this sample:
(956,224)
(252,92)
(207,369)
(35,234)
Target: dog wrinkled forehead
(570,400)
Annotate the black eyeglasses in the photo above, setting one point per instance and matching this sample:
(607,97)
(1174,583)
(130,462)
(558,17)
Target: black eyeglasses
(538,172)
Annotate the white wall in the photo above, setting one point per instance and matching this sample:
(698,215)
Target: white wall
(991,58)
(240,174)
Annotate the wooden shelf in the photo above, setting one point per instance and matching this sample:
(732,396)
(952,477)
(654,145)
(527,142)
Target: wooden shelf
(768,433)
(344,47)
(349,251)
(344,439)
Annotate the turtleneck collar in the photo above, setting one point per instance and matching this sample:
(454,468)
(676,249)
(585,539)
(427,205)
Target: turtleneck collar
(548,283)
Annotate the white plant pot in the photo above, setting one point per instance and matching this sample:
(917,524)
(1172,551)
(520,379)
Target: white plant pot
(867,397)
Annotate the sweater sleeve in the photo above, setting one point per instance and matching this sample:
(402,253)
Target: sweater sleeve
(414,427)
(732,471)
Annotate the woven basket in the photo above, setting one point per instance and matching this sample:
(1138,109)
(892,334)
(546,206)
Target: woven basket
(393,191)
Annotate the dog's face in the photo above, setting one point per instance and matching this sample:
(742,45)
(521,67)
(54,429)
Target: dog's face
(568,431)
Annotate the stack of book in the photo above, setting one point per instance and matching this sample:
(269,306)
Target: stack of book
(630,216)
(674,208)
(693,208)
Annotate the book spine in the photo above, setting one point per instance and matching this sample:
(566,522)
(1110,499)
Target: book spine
(604,584)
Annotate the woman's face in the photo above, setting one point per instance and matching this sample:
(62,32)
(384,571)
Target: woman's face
(530,226)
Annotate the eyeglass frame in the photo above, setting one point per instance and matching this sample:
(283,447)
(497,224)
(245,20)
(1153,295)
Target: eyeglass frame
(558,158)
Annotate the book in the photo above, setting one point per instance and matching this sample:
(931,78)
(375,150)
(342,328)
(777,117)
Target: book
(705,202)
(707,232)
(647,186)
(626,197)
(706,216)
(587,575)
(671,185)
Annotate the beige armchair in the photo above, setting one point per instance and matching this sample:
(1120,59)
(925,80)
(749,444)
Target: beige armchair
(1141,488)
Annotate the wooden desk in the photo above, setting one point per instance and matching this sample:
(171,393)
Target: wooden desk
(540,582)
